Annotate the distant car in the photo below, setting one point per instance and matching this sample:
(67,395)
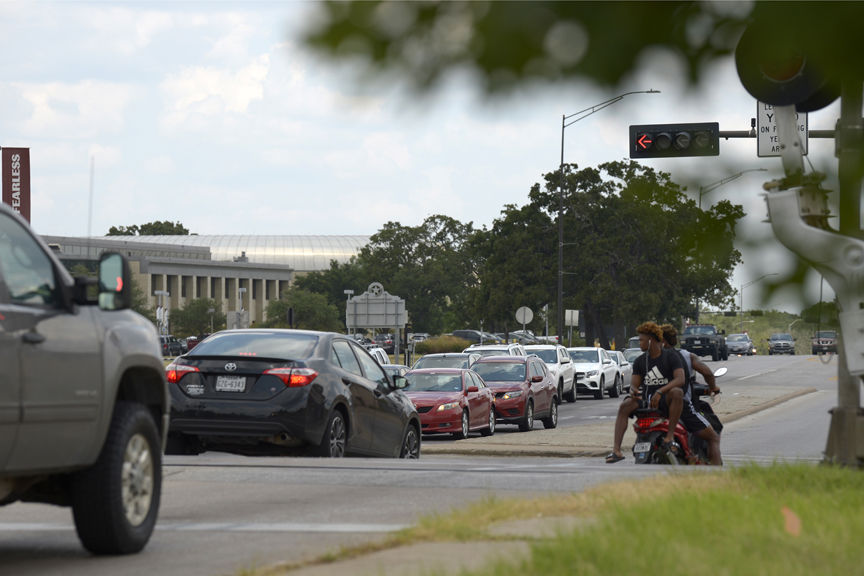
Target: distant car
(781,343)
(364,341)
(478,337)
(740,344)
(191,342)
(558,361)
(446,360)
(824,342)
(395,370)
(270,391)
(595,372)
(380,355)
(386,342)
(632,353)
(452,401)
(511,349)
(171,346)
(418,336)
(524,389)
(625,368)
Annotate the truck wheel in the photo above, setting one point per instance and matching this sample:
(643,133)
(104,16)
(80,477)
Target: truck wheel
(714,355)
(115,502)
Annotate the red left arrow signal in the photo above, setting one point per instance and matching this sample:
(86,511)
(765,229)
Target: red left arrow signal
(644,141)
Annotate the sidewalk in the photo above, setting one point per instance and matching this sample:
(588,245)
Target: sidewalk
(590,440)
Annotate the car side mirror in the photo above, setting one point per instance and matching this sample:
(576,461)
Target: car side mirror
(399,382)
(114,281)
(536,378)
(472,389)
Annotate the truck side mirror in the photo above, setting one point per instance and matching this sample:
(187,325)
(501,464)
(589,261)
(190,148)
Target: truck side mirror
(115,282)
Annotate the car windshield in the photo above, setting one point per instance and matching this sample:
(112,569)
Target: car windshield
(495,352)
(781,337)
(500,371)
(548,356)
(699,330)
(442,362)
(737,338)
(584,355)
(631,355)
(292,346)
(423,382)
(826,334)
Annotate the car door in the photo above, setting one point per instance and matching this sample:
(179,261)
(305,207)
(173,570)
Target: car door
(10,377)
(388,409)
(59,356)
(543,389)
(360,394)
(609,368)
(565,366)
(479,401)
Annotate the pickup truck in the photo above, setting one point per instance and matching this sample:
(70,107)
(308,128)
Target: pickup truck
(704,340)
(824,342)
(84,402)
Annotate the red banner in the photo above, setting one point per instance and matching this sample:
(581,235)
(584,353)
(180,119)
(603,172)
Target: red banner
(16,180)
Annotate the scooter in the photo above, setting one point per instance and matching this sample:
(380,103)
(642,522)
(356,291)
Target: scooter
(686,448)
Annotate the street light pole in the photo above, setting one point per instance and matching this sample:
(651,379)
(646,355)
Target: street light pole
(569,120)
(741,295)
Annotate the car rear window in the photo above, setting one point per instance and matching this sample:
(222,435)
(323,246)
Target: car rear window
(442,362)
(584,355)
(548,356)
(263,344)
(500,371)
(422,382)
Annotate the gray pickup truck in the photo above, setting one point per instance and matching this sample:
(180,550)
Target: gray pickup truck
(83,398)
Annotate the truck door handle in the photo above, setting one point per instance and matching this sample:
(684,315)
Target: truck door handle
(33,338)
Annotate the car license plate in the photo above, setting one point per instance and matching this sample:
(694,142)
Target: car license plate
(641,447)
(230,383)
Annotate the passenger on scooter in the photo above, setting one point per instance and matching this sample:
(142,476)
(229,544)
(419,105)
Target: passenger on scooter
(662,372)
(695,422)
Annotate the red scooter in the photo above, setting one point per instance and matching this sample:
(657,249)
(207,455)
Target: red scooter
(686,448)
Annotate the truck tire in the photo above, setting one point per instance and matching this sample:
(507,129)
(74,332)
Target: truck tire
(115,502)
(714,354)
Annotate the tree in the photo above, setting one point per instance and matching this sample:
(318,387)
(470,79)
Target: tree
(155,228)
(195,318)
(311,311)
(333,282)
(637,248)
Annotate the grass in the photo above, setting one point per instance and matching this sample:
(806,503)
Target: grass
(785,519)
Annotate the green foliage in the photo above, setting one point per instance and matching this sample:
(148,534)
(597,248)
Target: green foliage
(311,311)
(825,313)
(155,228)
(441,344)
(195,318)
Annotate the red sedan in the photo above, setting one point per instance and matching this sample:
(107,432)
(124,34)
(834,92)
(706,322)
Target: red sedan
(451,401)
(524,389)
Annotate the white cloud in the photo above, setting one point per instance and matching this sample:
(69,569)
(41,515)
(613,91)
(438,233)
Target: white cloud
(211,92)
(79,110)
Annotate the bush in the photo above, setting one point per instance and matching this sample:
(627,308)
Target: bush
(441,344)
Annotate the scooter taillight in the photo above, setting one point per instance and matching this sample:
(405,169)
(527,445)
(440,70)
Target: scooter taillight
(648,422)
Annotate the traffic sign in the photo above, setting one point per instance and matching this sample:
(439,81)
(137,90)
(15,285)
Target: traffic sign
(766,126)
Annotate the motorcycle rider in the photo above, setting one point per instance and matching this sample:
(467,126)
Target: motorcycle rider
(699,424)
(662,372)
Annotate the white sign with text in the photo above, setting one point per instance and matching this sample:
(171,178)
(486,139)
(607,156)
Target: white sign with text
(766,125)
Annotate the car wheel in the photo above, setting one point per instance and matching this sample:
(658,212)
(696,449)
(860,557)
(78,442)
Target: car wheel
(598,394)
(560,391)
(410,444)
(489,430)
(570,396)
(115,502)
(616,389)
(463,433)
(335,438)
(551,421)
(527,422)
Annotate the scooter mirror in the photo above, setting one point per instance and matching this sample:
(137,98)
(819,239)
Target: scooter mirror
(720,372)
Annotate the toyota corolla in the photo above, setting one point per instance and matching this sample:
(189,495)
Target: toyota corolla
(278,391)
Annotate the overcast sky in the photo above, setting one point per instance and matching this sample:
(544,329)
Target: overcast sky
(213,115)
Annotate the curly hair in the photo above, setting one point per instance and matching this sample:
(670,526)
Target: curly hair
(670,334)
(651,329)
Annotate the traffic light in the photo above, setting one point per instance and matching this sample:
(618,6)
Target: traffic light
(674,140)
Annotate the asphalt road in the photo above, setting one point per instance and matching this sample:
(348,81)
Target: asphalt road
(222,513)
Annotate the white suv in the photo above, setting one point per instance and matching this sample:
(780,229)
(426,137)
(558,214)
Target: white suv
(558,361)
(595,372)
(497,349)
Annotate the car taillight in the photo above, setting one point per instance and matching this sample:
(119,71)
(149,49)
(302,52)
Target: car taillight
(174,372)
(293,377)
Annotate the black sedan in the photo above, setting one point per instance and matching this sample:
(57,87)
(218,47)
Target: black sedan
(265,391)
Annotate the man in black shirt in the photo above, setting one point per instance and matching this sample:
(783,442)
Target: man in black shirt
(662,373)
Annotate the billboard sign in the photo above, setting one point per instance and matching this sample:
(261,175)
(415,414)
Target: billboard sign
(16,180)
